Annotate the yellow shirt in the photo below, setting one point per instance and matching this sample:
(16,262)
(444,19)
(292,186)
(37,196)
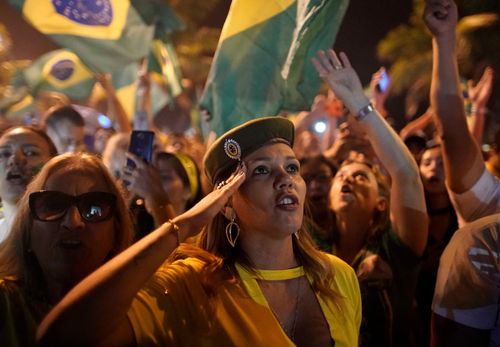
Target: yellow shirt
(174,309)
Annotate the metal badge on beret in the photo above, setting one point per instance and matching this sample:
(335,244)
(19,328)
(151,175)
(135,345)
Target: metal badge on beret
(232,149)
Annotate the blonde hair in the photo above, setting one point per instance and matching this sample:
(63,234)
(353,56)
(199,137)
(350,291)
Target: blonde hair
(16,260)
(315,263)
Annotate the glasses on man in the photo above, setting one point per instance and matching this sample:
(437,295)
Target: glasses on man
(49,206)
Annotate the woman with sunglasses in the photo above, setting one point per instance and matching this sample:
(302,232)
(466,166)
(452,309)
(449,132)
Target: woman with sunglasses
(70,221)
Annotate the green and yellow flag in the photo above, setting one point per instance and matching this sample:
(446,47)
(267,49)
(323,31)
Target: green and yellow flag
(107,35)
(18,111)
(163,65)
(125,84)
(60,71)
(263,61)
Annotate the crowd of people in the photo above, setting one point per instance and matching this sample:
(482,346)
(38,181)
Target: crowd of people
(274,235)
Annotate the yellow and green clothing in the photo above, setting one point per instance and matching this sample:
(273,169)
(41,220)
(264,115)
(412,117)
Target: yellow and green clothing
(175,309)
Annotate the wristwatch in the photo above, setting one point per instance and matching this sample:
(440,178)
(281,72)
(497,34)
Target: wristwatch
(365,111)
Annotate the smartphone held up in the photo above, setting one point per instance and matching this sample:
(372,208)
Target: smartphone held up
(384,82)
(141,144)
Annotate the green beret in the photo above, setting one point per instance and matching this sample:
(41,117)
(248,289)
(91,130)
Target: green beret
(239,142)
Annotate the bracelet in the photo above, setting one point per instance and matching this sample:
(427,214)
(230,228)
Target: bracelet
(365,111)
(477,110)
(176,229)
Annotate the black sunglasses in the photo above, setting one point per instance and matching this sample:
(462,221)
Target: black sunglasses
(48,205)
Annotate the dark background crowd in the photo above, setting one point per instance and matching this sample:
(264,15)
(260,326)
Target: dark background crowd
(397,152)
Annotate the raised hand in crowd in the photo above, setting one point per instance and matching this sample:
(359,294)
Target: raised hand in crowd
(380,84)
(393,230)
(144,180)
(407,191)
(476,193)
(479,94)
(115,108)
(465,304)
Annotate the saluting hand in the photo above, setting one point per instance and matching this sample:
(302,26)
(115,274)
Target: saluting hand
(191,221)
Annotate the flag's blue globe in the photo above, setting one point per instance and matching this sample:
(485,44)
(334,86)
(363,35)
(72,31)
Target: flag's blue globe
(86,12)
(63,69)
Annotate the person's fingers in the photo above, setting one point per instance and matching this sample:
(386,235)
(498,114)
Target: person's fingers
(319,68)
(345,60)
(138,174)
(235,180)
(487,76)
(441,10)
(433,11)
(335,62)
(325,62)
(470,85)
(139,162)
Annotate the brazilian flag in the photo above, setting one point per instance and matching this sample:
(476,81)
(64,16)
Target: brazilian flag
(107,35)
(59,71)
(21,109)
(125,84)
(163,66)
(263,61)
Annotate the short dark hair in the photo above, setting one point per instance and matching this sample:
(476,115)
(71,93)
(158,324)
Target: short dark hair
(318,160)
(64,113)
(417,141)
(40,132)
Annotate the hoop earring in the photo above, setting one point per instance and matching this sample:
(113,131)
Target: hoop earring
(232,233)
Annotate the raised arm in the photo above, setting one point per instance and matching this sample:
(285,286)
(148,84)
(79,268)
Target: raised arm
(379,90)
(96,309)
(115,107)
(408,211)
(479,95)
(145,181)
(462,157)
(416,125)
